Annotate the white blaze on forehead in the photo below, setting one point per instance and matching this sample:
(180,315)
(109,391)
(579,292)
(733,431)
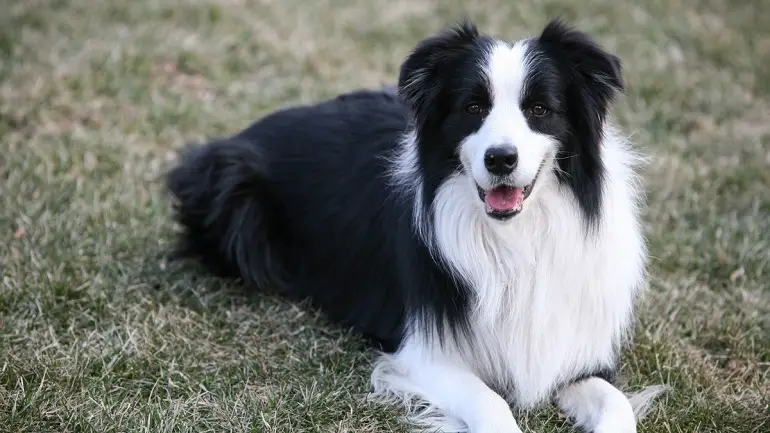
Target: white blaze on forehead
(506,69)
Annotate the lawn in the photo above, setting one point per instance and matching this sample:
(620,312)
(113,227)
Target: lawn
(101,332)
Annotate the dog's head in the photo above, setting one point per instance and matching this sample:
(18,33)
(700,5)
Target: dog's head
(505,115)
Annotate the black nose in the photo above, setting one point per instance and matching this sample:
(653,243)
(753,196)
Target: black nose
(501,160)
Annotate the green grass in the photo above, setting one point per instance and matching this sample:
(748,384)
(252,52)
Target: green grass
(100,333)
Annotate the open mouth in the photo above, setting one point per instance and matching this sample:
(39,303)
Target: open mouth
(504,201)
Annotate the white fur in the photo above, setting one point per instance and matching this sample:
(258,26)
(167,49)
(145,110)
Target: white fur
(551,300)
(405,179)
(598,407)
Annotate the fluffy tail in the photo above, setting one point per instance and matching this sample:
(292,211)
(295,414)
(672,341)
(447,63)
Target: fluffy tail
(224,207)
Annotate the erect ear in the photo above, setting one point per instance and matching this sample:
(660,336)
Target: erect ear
(596,69)
(419,79)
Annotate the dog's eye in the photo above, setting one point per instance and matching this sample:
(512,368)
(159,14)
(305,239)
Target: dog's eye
(473,109)
(538,110)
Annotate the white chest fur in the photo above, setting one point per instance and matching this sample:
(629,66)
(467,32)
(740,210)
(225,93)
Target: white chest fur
(552,300)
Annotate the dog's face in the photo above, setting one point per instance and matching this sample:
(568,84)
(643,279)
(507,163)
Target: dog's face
(507,114)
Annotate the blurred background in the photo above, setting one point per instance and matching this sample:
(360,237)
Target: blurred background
(100,332)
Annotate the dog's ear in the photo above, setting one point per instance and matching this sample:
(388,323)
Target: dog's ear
(593,77)
(596,70)
(419,79)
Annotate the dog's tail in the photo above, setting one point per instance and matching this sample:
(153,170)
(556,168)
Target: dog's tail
(641,401)
(224,207)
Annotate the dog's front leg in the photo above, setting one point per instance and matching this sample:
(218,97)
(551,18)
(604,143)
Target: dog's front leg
(597,406)
(446,384)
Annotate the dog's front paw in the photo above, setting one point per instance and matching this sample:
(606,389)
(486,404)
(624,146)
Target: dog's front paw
(619,420)
(615,427)
(613,430)
(497,419)
(508,426)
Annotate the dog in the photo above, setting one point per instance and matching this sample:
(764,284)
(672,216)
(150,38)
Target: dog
(480,224)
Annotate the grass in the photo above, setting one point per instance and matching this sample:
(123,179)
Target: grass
(100,333)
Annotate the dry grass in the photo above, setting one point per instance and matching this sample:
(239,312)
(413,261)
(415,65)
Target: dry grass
(99,333)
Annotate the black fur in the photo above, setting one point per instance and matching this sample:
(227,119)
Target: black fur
(297,202)
(586,79)
(437,80)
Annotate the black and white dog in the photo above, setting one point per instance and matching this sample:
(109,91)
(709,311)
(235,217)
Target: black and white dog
(481,224)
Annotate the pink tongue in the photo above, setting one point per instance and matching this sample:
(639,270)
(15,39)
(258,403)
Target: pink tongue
(505,198)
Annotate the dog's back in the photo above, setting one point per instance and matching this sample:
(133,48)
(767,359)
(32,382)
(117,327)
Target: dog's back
(296,203)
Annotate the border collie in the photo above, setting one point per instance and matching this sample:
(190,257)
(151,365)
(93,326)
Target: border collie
(481,224)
